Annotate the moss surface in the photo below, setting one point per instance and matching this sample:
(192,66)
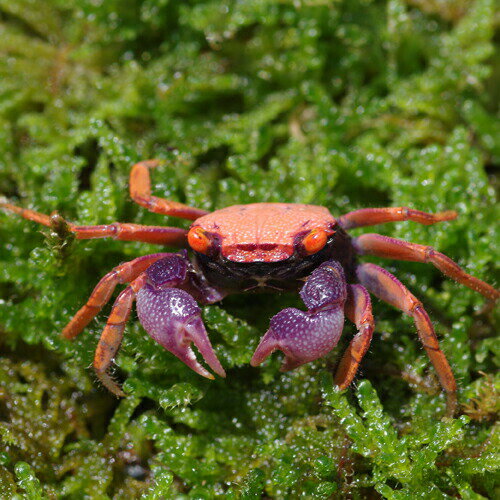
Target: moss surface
(346,104)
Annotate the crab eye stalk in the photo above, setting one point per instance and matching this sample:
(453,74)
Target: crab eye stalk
(199,241)
(314,241)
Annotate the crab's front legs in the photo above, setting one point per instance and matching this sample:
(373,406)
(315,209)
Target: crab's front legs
(172,317)
(304,336)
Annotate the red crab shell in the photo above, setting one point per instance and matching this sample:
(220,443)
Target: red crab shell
(263,232)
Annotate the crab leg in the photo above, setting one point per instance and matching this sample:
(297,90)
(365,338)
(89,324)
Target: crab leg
(132,232)
(373,216)
(140,192)
(358,309)
(383,246)
(388,288)
(104,289)
(112,335)
(119,231)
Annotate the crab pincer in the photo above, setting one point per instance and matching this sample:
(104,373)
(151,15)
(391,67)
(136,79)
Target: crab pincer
(304,336)
(172,317)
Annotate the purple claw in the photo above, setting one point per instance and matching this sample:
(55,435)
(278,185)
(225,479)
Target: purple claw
(302,336)
(306,336)
(172,318)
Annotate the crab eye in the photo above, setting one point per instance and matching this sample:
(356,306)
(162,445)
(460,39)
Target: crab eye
(314,241)
(198,240)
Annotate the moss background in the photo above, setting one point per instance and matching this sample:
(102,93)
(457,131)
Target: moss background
(346,104)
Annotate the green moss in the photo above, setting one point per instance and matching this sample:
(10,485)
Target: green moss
(345,104)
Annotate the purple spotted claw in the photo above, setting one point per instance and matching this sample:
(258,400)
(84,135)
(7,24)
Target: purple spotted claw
(306,336)
(172,318)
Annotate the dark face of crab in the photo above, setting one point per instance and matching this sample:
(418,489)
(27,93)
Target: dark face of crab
(304,336)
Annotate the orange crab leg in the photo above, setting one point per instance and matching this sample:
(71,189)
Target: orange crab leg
(112,335)
(389,289)
(383,246)
(119,231)
(104,289)
(358,309)
(373,216)
(27,214)
(140,192)
(133,232)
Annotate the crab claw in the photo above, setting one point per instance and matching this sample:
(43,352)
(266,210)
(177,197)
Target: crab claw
(302,336)
(172,318)
(306,336)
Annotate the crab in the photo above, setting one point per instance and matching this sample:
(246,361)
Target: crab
(260,247)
